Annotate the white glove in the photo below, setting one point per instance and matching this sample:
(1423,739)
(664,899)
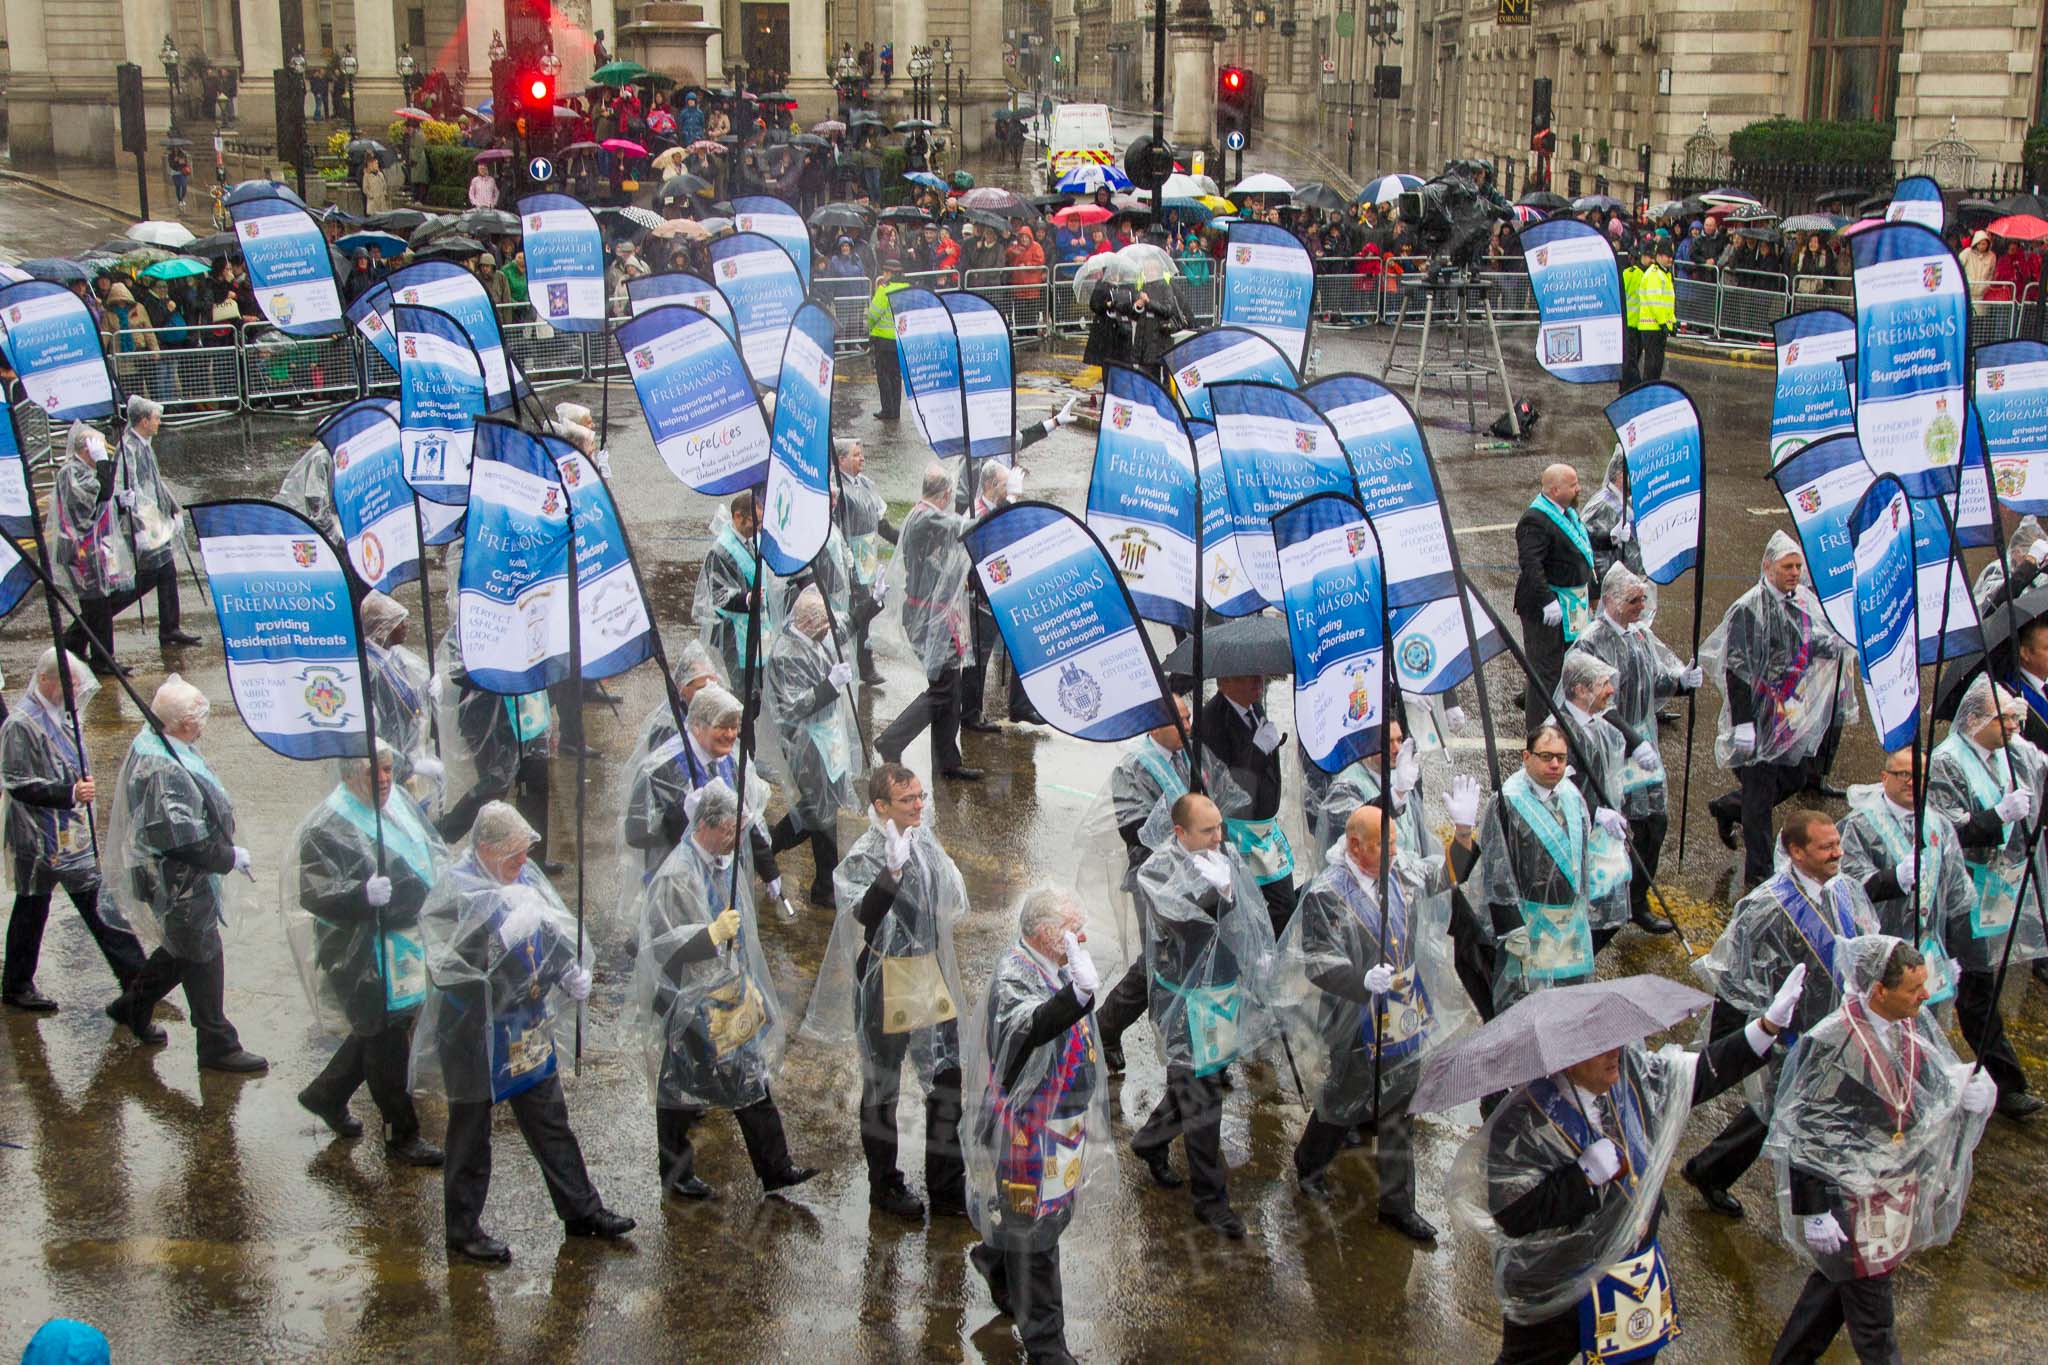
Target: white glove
(1787,999)
(377,891)
(1612,821)
(435,686)
(1903,875)
(841,674)
(775,889)
(1380,979)
(576,981)
(431,769)
(1624,531)
(242,863)
(1516,944)
(1215,870)
(1081,967)
(1743,739)
(2038,552)
(2017,804)
(125,499)
(1406,774)
(1824,1234)
(1553,613)
(1454,718)
(1645,755)
(1462,804)
(1065,417)
(895,846)
(1692,675)
(1601,1162)
(603,461)
(1014,488)
(1267,737)
(1979,1093)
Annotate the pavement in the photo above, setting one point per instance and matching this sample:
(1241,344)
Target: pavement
(207,1218)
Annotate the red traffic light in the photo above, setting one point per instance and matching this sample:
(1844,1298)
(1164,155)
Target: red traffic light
(1233,78)
(539,91)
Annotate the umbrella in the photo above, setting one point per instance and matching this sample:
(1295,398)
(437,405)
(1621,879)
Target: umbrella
(926,179)
(1958,674)
(904,213)
(55,270)
(494,154)
(671,159)
(807,140)
(385,242)
(640,217)
(1082,215)
(2032,204)
(437,226)
(215,247)
(912,125)
(1861,225)
(990,197)
(1186,187)
(369,146)
(1317,195)
(1004,115)
(1726,195)
(839,216)
(1388,188)
(1086,177)
(452,244)
(1105,266)
(483,110)
(1670,208)
(1768,234)
(177,142)
(717,227)
(411,115)
(575,147)
(1842,196)
(617,73)
(869,116)
(679,186)
(137,257)
(688,228)
(1548,202)
(176,268)
(625,145)
(1250,645)
(395,220)
(482,222)
(261,189)
(2019,227)
(1815,222)
(1603,202)
(962,180)
(1528,214)
(661,121)
(1545,1032)
(828,126)
(1263,183)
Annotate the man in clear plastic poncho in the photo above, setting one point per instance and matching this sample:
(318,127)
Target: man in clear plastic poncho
(1786,679)
(511,744)
(709,1025)
(1210,955)
(726,583)
(1371,992)
(863,515)
(1803,914)
(1566,1183)
(1585,705)
(402,690)
(2027,552)
(1989,783)
(501,966)
(810,720)
(169,849)
(1877,852)
(1872,1138)
(1534,872)
(694,669)
(1037,1124)
(1646,674)
(50,792)
(90,554)
(1238,731)
(998,488)
(351,898)
(889,983)
(152,517)
(1609,527)
(931,560)
(660,781)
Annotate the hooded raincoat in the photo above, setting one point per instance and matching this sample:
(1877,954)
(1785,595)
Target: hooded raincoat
(1876,838)
(810,722)
(1646,673)
(931,569)
(169,848)
(40,765)
(1780,667)
(1603,782)
(1211,957)
(91,556)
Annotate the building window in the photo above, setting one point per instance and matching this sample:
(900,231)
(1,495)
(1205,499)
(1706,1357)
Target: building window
(415,27)
(1854,70)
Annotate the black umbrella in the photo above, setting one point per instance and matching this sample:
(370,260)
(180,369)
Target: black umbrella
(866,116)
(1005,115)
(216,247)
(1603,202)
(1841,196)
(177,142)
(807,140)
(478,222)
(1977,212)
(395,220)
(903,213)
(2031,204)
(1874,206)
(839,216)
(434,227)
(452,244)
(984,218)
(1317,195)
(776,96)
(1250,645)
(364,146)
(1760,234)
(682,185)
(1546,201)
(1045,203)
(1957,674)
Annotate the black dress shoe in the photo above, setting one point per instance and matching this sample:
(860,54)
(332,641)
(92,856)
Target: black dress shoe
(240,1062)
(980,726)
(823,895)
(1163,1174)
(1050,1355)
(179,637)
(32,1000)
(1828,790)
(1652,923)
(1223,1219)
(1113,1057)
(871,676)
(692,1188)
(963,774)
(1715,1197)
(2019,1104)
(1726,826)
(603,1223)
(569,749)
(413,1151)
(789,1179)
(341,1121)
(488,1250)
(125,1013)
(1409,1224)
(948,1208)
(1314,1186)
(897,1201)
(1027,716)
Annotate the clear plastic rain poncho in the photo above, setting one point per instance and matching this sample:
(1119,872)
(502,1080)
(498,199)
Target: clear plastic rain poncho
(1035,1125)
(929,576)
(308,487)
(659,781)
(169,820)
(363,966)
(694,666)
(401,692)
(498,954)
(1646,673)
(1604,751)
(708,1024)
(1869,1126)
(40,765)
(862,509)
(719,608)
(1534,870)
(1358,785)
(1542,1127)
(1337,1030)
(1964,780)
(489,732)
(899,977)
(1876,837)
(809,723)
(92,556)
(1797,674)
(1984,592)
(154,523)
(1211,960)
(1602,513)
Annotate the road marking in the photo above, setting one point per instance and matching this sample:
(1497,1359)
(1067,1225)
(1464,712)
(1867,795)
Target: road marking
(1482,530)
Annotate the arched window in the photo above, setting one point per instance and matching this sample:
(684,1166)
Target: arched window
(1854,60)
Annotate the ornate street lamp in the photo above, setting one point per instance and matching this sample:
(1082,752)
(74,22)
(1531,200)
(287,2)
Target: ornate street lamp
(405,70)
(170,57)
(348,76)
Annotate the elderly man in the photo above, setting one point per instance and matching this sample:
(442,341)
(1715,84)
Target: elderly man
(501,965)
(1038,1119)
(662,779)
(710,1025)
(1585,706)
(1237,730)
(170,846)
(403,691)
(1872,1135)
(511,741)
(1208,953)
(998,488)
(1989,784)
(1553,590)
(1804,914)
(1777,700)
(151,516)
(727,582)
(1382,994)
(863,515)
(934,568)
(90,554)
(812,719)
(1535,873)
(49,831)
(363,863)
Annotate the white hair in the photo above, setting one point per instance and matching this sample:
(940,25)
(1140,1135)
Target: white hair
(46,667)
(1042,906)
(140,407)
(178,702)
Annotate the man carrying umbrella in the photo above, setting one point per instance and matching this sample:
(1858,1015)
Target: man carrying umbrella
(1565,1180)
(1554,587)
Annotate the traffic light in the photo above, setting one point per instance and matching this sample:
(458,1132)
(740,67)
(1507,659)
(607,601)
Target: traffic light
(1148,163)
(1233,101)
(537,100)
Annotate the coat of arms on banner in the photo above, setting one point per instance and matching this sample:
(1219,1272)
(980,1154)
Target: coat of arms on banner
(1305,440)
(281,307)
(729,268)
(1994,380)
(1243,255)
(1080,695)
(304,552)
(1191,378)
(1943,437)
(533,222)
(1542,257)
(1132,545)
(999,570)
(1808,499)
(2010,476)
(1791,353)
(1354,540)
(1361,699)
(325,697)
(1930,276)
(643,357)
(550,501)
(412,348)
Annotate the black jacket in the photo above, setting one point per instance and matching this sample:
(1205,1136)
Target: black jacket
(1546,558)
(1230,739)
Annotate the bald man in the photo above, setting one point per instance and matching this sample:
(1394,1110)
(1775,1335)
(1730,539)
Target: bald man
(1554,589)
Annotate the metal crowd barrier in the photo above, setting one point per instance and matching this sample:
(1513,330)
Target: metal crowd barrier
(184,378)
(1514,298)
(278,370)
(846,298)
(547,357)
(1347,291)
(1750,310)
(1069,314)
(1020,301)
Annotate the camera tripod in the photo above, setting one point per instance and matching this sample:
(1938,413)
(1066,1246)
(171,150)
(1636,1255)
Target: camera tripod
(1451,305)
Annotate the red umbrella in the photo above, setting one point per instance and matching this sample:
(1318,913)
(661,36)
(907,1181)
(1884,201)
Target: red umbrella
(495,154)
(416,115)
(1082,215)
(661,121)
(624,144)
(2019,227)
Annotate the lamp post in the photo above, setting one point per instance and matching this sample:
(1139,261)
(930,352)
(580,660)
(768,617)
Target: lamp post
(1382,22)
(946,90)
(405,70)
(169,56)
(348,77)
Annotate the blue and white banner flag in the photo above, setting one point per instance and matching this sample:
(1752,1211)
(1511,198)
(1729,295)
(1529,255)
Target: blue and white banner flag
(1813,401)
(1336,605)
(1224,586)
(291,268)
(512,596)
(1577,283)
(1396,485)
(762,286)
(988,377)
(370,315)
(16,577)
(372,501)
(288,624)
(55,349)
(1141,496)
(17,516)
(1068,624)
(928,354)
(441,394)
(446,286)
(700,404)
(645,293)
(796,513)
(440,522)
(1887,646)
(781,224)
(1917,199)
(1268,286)
(2012,415)
(1667,476)
(1912,339)
(614,629)
(1975,524)
(564,262)
(1277,449)
(1224,355)
(1430,654)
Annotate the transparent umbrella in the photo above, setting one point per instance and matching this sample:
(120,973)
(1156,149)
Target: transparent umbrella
(1109,267)
(1148,262)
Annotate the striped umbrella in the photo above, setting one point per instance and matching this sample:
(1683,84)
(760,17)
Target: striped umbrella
(1388,188)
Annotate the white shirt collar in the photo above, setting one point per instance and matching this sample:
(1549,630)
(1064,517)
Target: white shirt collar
(1983,753)
(1244,713)
(2038,684)
(1584,718)
(1902,814)
(1808,887)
